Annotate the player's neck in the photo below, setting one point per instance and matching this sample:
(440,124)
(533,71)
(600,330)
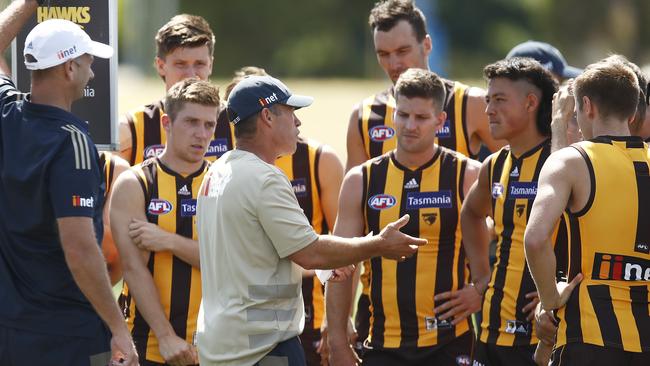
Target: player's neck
(610,128)
(413,160)
(525,141)
(178,165)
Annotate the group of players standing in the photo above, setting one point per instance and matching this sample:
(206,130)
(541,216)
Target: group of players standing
(411,150)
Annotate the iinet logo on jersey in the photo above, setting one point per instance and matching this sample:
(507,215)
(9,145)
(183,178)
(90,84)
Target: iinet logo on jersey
(78,201)
(620,268)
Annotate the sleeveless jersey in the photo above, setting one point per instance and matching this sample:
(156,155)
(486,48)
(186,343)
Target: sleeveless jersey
(148,137)
(513,182)
(610,245)
(401,293)
(170,202)
(302,170)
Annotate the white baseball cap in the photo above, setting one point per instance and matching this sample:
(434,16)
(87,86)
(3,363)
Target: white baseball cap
(56,41)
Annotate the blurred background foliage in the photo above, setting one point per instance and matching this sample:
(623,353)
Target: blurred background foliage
(331,38)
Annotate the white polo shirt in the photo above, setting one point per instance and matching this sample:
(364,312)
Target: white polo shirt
(249,221)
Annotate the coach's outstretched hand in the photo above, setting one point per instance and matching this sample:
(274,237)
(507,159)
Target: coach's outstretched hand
(397,245)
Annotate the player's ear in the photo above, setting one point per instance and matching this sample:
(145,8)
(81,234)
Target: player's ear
(166,122)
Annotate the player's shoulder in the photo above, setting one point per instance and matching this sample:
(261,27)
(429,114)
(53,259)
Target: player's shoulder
(147,109)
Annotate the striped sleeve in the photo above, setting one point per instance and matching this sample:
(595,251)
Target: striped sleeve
(75,179)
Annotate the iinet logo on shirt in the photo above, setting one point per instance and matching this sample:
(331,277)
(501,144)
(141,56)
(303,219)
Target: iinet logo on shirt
(78,201)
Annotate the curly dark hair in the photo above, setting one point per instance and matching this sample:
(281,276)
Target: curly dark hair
(519,68)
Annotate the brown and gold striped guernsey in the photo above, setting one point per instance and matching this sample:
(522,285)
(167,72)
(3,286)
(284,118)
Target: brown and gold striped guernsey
(148,138)
(107,167)
(377,128)
(513,182)
(302,170)
(610,245)
(170,202)
(401,293)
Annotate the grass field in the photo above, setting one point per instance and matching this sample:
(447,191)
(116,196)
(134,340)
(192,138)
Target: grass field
(325,120)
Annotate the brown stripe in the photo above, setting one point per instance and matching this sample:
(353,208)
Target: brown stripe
(407,270)
(181,270)
(447,243)
(302,172)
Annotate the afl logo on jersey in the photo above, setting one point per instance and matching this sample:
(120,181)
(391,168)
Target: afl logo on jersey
(381,133)
(497,190)
(159,207)
(381,201)
(153,150)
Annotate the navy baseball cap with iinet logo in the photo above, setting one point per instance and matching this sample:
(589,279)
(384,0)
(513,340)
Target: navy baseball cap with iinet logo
(254,93)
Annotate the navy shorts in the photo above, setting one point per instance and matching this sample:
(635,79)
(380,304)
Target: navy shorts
(287,353)
(492,355)
(454,353)
(592,355)
(20,347)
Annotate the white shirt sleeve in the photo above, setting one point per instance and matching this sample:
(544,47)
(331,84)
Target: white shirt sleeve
(282,218)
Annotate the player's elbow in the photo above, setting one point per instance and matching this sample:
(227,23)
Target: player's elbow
(534,242)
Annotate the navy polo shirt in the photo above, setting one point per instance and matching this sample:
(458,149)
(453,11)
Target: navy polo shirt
(49,169)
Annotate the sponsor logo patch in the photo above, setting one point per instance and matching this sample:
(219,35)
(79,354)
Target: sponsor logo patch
(433,323)
(188,207)
(217,147)
(620,268)
(299,187)
(411,184)
(429,218)
(78,201)
(642,248)
(381,133)
(497,190)
(381,201)
(524,190)
(514,172)
(463,360)
(520,209)
(268,100)
(184,191)
(159,207)
(444,131)
(440,199)
(517,327)
(152,151)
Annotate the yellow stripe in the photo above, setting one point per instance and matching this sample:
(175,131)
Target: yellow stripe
(285,163)
(498,228)
(195,287)
(516,259)
(365,117)
(163,261)
(392,325)
(138,121)
(318,301)
(427,261)
(391,143)
(456,282)
(461,139)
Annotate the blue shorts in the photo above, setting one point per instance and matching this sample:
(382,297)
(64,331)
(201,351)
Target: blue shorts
(287,353)
(20,347)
